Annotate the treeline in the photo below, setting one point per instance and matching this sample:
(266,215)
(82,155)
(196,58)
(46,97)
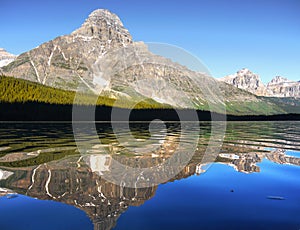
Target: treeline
(35,111)
(22,100)
(14,90)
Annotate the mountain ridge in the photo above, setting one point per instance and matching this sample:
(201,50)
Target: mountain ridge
(66,60)
(69,61)
(278,87)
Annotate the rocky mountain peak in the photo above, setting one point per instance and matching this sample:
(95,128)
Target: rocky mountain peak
(278,87)
(67,60)
(278,80)
(246,80)
(244,71)
(103,14)
(283,87)
(83,58)
(104,25)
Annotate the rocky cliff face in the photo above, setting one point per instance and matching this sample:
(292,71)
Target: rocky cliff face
(282,87)
(247,80)
(5,57)
(278,80)
(103,47)
(70,60)
(67,60)
(277,87)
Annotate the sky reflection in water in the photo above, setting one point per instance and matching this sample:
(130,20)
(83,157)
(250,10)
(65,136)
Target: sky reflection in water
(253,184)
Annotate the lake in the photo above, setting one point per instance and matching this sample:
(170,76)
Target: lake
(50,181)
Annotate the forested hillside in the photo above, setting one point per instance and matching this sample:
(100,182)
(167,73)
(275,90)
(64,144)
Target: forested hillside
(13,90)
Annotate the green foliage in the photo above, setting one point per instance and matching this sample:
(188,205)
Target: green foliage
(17,90)
(289,104)
(13,90)
(253,108)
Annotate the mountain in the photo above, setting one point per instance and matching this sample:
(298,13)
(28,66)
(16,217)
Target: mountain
(66,60)
(101,56)
(247,80)
(251,82)
(278,80)
(282,87)
(5,57)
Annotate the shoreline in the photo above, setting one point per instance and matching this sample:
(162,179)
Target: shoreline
(42,112)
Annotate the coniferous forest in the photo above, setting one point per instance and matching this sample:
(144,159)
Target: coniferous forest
(22,100)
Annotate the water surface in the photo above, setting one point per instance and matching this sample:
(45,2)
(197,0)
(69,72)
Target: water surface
(251,183)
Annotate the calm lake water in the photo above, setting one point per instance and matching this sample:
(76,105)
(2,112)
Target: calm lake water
(253,182)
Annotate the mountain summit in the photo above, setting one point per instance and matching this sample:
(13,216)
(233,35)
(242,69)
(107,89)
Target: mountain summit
(282,87)
(103,45)
(67,60)
(278,80)
(105,26)
(277,87)
(247,80)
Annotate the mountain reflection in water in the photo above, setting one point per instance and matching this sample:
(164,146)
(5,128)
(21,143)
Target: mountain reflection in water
(42,161)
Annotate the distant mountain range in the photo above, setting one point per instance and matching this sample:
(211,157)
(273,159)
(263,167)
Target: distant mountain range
(251,82)
(69,61)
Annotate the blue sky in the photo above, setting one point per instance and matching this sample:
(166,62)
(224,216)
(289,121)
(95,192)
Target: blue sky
(227,35)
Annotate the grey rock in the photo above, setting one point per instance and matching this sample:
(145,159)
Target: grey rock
(277,87)
(89,59)
(67,60)
(282,87)
(247,80)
